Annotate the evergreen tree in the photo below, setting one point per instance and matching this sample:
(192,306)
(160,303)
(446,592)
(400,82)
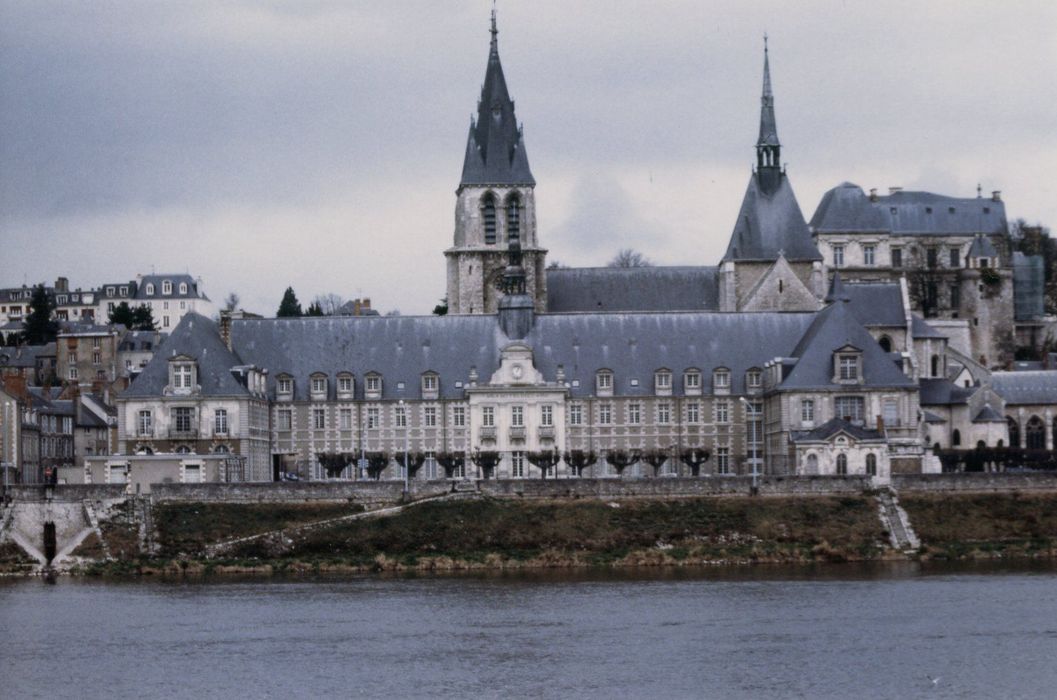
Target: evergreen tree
(289,306)
(38,328)
(314,309)
(143,318)
(122,314)
(441,309)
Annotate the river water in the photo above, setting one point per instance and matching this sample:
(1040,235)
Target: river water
(844,631)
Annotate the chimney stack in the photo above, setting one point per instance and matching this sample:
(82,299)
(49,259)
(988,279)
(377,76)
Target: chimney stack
(225,328)
(996,196)
(894,190)
(873,194)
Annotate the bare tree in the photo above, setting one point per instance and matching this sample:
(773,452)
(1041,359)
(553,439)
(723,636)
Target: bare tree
(231,302)
(329,303)
(627,257)
(556,265)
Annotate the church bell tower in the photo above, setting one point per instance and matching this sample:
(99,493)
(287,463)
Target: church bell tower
(495,204)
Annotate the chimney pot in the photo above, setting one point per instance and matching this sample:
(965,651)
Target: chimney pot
(996,196)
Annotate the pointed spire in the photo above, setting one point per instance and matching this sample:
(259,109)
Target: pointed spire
(495,149)
(836,290)
(768,126)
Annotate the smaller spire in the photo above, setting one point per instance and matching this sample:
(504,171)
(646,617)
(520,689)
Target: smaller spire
(495,33)
(767,94)
(836,290)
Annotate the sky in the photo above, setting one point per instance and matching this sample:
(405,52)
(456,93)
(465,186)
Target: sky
(318,144)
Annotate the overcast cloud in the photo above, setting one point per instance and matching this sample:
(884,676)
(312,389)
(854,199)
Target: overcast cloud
(319,144)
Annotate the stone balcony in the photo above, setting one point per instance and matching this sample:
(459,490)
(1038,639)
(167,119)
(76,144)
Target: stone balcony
(488,432)
(546,432)
(517,432)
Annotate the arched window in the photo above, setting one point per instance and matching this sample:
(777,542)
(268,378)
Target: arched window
(935,365)
(811,464)
(1014,431)
(956,439)
(513,217)
(1035,433)
(980,445)
(183,450)
(221,450)
(488,214)
(183,288)
(842,464)
(871,464)
(886,343)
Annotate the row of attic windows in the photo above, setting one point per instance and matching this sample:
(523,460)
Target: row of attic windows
(662,380)
(513,217)
(319,385)
(166,288)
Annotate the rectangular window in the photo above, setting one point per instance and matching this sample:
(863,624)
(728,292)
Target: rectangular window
(722,412)
(488,416)
(693,380)
(220,421)
(838,256)
(374,384)
(956,296)
(319,385)
(849,408)
(97,343)
(576,414)
(664,380)
(319,418)
(97,358)
(605,381)
(753,378)
(664,413)
(182,377)
(634,414)
(605,414)
(285,385)
(430,416)
(955,258)
(285,419)
(890,412)
(345,384)
(400,417)
(849,367)
(458,416)
(372,418)
(72,373)
(807,411)
(146,424)
(429,383)
(183,419)
(693,412)
(869,253)
(345,416)
(931,257)
(517,416)
(721,379)
(547,416)
(723,460)
(517,465)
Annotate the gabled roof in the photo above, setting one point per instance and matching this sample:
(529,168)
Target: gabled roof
(834,427)
(495,147)
(198,337)
(769,223)
(846,209)
(833,328)
(633,289)
(1021,388)
(982,247)
(988,415)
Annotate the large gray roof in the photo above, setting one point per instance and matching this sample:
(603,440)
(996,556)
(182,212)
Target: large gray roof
(834,426)
(1020,388)
(832,329)
(198,337)
(176,279)
(633,289)
(942,392)
(495,147)
(770,223)
(876,304)
(633,346)
(847,209)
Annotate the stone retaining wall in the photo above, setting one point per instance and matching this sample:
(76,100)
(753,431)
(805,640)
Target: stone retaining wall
(67,492)
(999,481)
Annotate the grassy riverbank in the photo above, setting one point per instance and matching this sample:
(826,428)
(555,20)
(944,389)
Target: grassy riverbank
(984,525)
(501,534)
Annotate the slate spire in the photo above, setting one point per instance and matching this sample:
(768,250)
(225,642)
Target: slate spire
(495,147)
(768,149)
(836,290)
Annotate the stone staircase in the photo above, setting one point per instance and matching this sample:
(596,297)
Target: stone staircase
(896,521)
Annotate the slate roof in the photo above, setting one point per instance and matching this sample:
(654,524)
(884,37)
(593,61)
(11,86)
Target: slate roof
(988,415)
(25,355)
(141,341)
(768,125)
(198,337)
(770,222)
(633,289)
(942,392)
(847,209)
(495,147)
(982,247)
(1020,388)
(833,328)
(876,304)
(401,348)
(176,279)
(831,428)
(920,329)
(931,417)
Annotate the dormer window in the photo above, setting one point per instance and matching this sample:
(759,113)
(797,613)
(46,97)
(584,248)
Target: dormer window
(124,291)
(430,385)
(319,386)
(721,380)
(150,289)
(662,381)
(345,386)
(692,381)
(847,365)
(182,376)
(110,291)
(604,382)
(284,387)
(373,386)
(754,379)
(183,288)
(166,287)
